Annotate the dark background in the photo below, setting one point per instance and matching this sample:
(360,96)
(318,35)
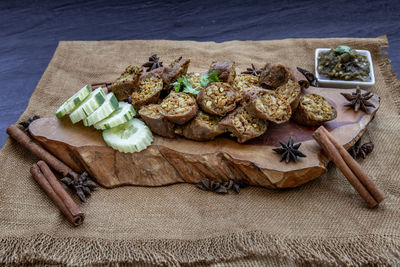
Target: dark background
(30,30)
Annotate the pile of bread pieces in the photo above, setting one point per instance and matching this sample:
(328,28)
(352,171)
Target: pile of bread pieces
(240,104)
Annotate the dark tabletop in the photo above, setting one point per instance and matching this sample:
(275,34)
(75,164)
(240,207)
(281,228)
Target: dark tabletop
(30,30)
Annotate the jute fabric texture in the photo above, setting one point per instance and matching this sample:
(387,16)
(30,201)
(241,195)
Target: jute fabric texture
(321,222)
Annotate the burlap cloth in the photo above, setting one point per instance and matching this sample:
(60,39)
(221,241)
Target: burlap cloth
(321,222)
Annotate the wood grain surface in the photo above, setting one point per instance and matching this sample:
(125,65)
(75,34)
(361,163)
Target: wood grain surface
(169,161)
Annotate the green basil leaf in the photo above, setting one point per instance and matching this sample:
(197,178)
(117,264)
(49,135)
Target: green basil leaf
(341,49)
(207,78)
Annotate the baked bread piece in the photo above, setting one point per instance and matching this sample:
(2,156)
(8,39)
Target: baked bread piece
(127,82)
(203,127)
(314,110)
(243,125)
(152,116)
(218,98)
(179,107)
(290,92)
(244,82)
(226,70)
(266,104)
(273,75)
(175,70)
(148,91)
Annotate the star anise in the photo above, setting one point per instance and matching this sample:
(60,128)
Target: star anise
(359,150)
(358,100)
(153,63)
(26,123)
(83,186)
(252,71)
(209,185)
(289,151)
(309,76)
(235,185)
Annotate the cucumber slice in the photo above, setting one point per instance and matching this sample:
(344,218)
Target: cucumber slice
(132,136)
(124,113)
(110,105)
(87,107)
(73,101)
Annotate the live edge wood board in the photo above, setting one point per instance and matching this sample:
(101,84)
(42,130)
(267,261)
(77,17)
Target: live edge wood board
(169,161)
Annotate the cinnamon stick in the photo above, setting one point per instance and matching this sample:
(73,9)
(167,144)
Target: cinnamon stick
(23,138)
(102,84)
(334,155)
(375,191)
(49,183)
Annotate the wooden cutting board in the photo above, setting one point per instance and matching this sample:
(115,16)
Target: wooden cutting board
(169,161)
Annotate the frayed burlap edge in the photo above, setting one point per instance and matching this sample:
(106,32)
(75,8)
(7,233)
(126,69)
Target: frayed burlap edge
(43,248)
(358,250)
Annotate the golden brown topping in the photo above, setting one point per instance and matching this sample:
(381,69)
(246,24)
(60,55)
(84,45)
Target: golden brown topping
(273,76)
(243,125)
(148,91)
(218,98)
(244,81)
(194,78)
(151,110)
(268,105)
(314,110)
(179,107)
(290,92)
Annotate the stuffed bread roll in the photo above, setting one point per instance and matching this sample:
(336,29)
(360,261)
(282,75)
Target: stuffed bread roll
(158,124)
(218,98)
(267,105)
(127,82)
(179,107)
(314,110)
(175,70)
(148,91)
(244,82)
(273,75)
(243,125)
(226,70)
(203,127)
(290,92)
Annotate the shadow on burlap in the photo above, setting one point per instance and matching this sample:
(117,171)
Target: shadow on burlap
(321,222)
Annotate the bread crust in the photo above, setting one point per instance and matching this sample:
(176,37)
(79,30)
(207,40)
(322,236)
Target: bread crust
(203,127)
(175,70)
(226,70)
(127,82)
(158,124)
(273,75)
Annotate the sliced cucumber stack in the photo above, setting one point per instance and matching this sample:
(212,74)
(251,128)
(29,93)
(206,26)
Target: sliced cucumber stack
(110,105)
(124,113)
(73,101)
(132,136)
(89,105)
